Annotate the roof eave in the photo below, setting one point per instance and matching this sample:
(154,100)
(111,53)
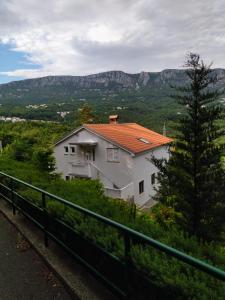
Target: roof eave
(108,140)
(151,149)
(68,135)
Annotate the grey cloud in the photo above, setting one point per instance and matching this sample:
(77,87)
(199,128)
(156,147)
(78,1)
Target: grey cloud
(152,34)
(9,20)
(131,58)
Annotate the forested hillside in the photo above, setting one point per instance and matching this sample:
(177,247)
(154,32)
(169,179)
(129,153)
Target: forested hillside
(143,97)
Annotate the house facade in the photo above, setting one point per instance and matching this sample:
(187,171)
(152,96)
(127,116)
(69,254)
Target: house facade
(116,154)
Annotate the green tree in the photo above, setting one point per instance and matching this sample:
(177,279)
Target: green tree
(85,115)
(193,180)
(20,150)
(43,158)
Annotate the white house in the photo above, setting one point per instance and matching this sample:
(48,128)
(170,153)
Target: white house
(117,154)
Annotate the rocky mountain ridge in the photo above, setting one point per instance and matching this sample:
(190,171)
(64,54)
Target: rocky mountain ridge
(51,87)
(103,79)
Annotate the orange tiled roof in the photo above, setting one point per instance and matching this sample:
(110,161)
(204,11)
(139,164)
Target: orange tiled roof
(128,136)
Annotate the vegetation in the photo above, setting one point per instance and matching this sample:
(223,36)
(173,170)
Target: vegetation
(149,107)
(85,115)
(193,180)
(27,155)
(31,142)
(184,282)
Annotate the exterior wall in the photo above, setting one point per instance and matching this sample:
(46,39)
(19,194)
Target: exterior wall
(143,169)
(111,174)
(120,179)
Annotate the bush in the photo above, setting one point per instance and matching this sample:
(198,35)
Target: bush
(182,281)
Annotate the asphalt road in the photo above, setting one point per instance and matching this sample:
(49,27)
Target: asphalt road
(23,274)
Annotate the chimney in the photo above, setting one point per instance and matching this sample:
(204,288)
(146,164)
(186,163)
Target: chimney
(113,119)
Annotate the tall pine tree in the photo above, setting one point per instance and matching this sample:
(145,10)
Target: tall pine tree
(193,180)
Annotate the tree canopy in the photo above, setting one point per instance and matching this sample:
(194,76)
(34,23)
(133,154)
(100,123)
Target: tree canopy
(193,180)
(85,115)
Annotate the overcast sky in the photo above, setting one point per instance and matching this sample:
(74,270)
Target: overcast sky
(78,37)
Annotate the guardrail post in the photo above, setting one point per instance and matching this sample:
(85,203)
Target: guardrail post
(12,196)
(45,219)
(127,259)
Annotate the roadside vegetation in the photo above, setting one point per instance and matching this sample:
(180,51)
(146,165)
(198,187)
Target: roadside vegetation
(27,155)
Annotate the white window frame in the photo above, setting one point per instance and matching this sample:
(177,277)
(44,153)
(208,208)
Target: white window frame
(112,154)
(141,187)
(71,152)
(153,179)
(66,151)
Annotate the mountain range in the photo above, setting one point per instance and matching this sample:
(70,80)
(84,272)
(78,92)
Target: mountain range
(53,88)
(143,97)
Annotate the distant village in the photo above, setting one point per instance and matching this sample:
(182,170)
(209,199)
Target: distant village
(12,119)
(17,119)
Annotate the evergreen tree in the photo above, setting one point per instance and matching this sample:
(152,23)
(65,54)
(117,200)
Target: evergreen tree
(193,180)
(85,115)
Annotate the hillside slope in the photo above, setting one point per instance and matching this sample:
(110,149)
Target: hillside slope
(142,97)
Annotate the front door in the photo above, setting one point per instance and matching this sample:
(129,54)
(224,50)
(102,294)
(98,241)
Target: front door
(90,155)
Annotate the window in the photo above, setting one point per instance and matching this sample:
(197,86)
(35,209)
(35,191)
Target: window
(93,154)
(72,150)
(113,154)
(67,177)
(141,187)
(66,149)
(144,140)
(153,178)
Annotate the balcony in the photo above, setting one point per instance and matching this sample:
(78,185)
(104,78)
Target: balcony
(80,169)
(126,192)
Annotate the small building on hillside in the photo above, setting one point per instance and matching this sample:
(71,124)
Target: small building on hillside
(119,155)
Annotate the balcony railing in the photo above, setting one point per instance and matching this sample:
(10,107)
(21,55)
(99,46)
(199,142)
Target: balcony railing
(118,272)
(81,169)
(125,192)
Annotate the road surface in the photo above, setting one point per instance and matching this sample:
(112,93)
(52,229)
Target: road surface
(23,274)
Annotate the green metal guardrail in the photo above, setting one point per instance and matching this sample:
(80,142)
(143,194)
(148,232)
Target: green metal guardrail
(128,233)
